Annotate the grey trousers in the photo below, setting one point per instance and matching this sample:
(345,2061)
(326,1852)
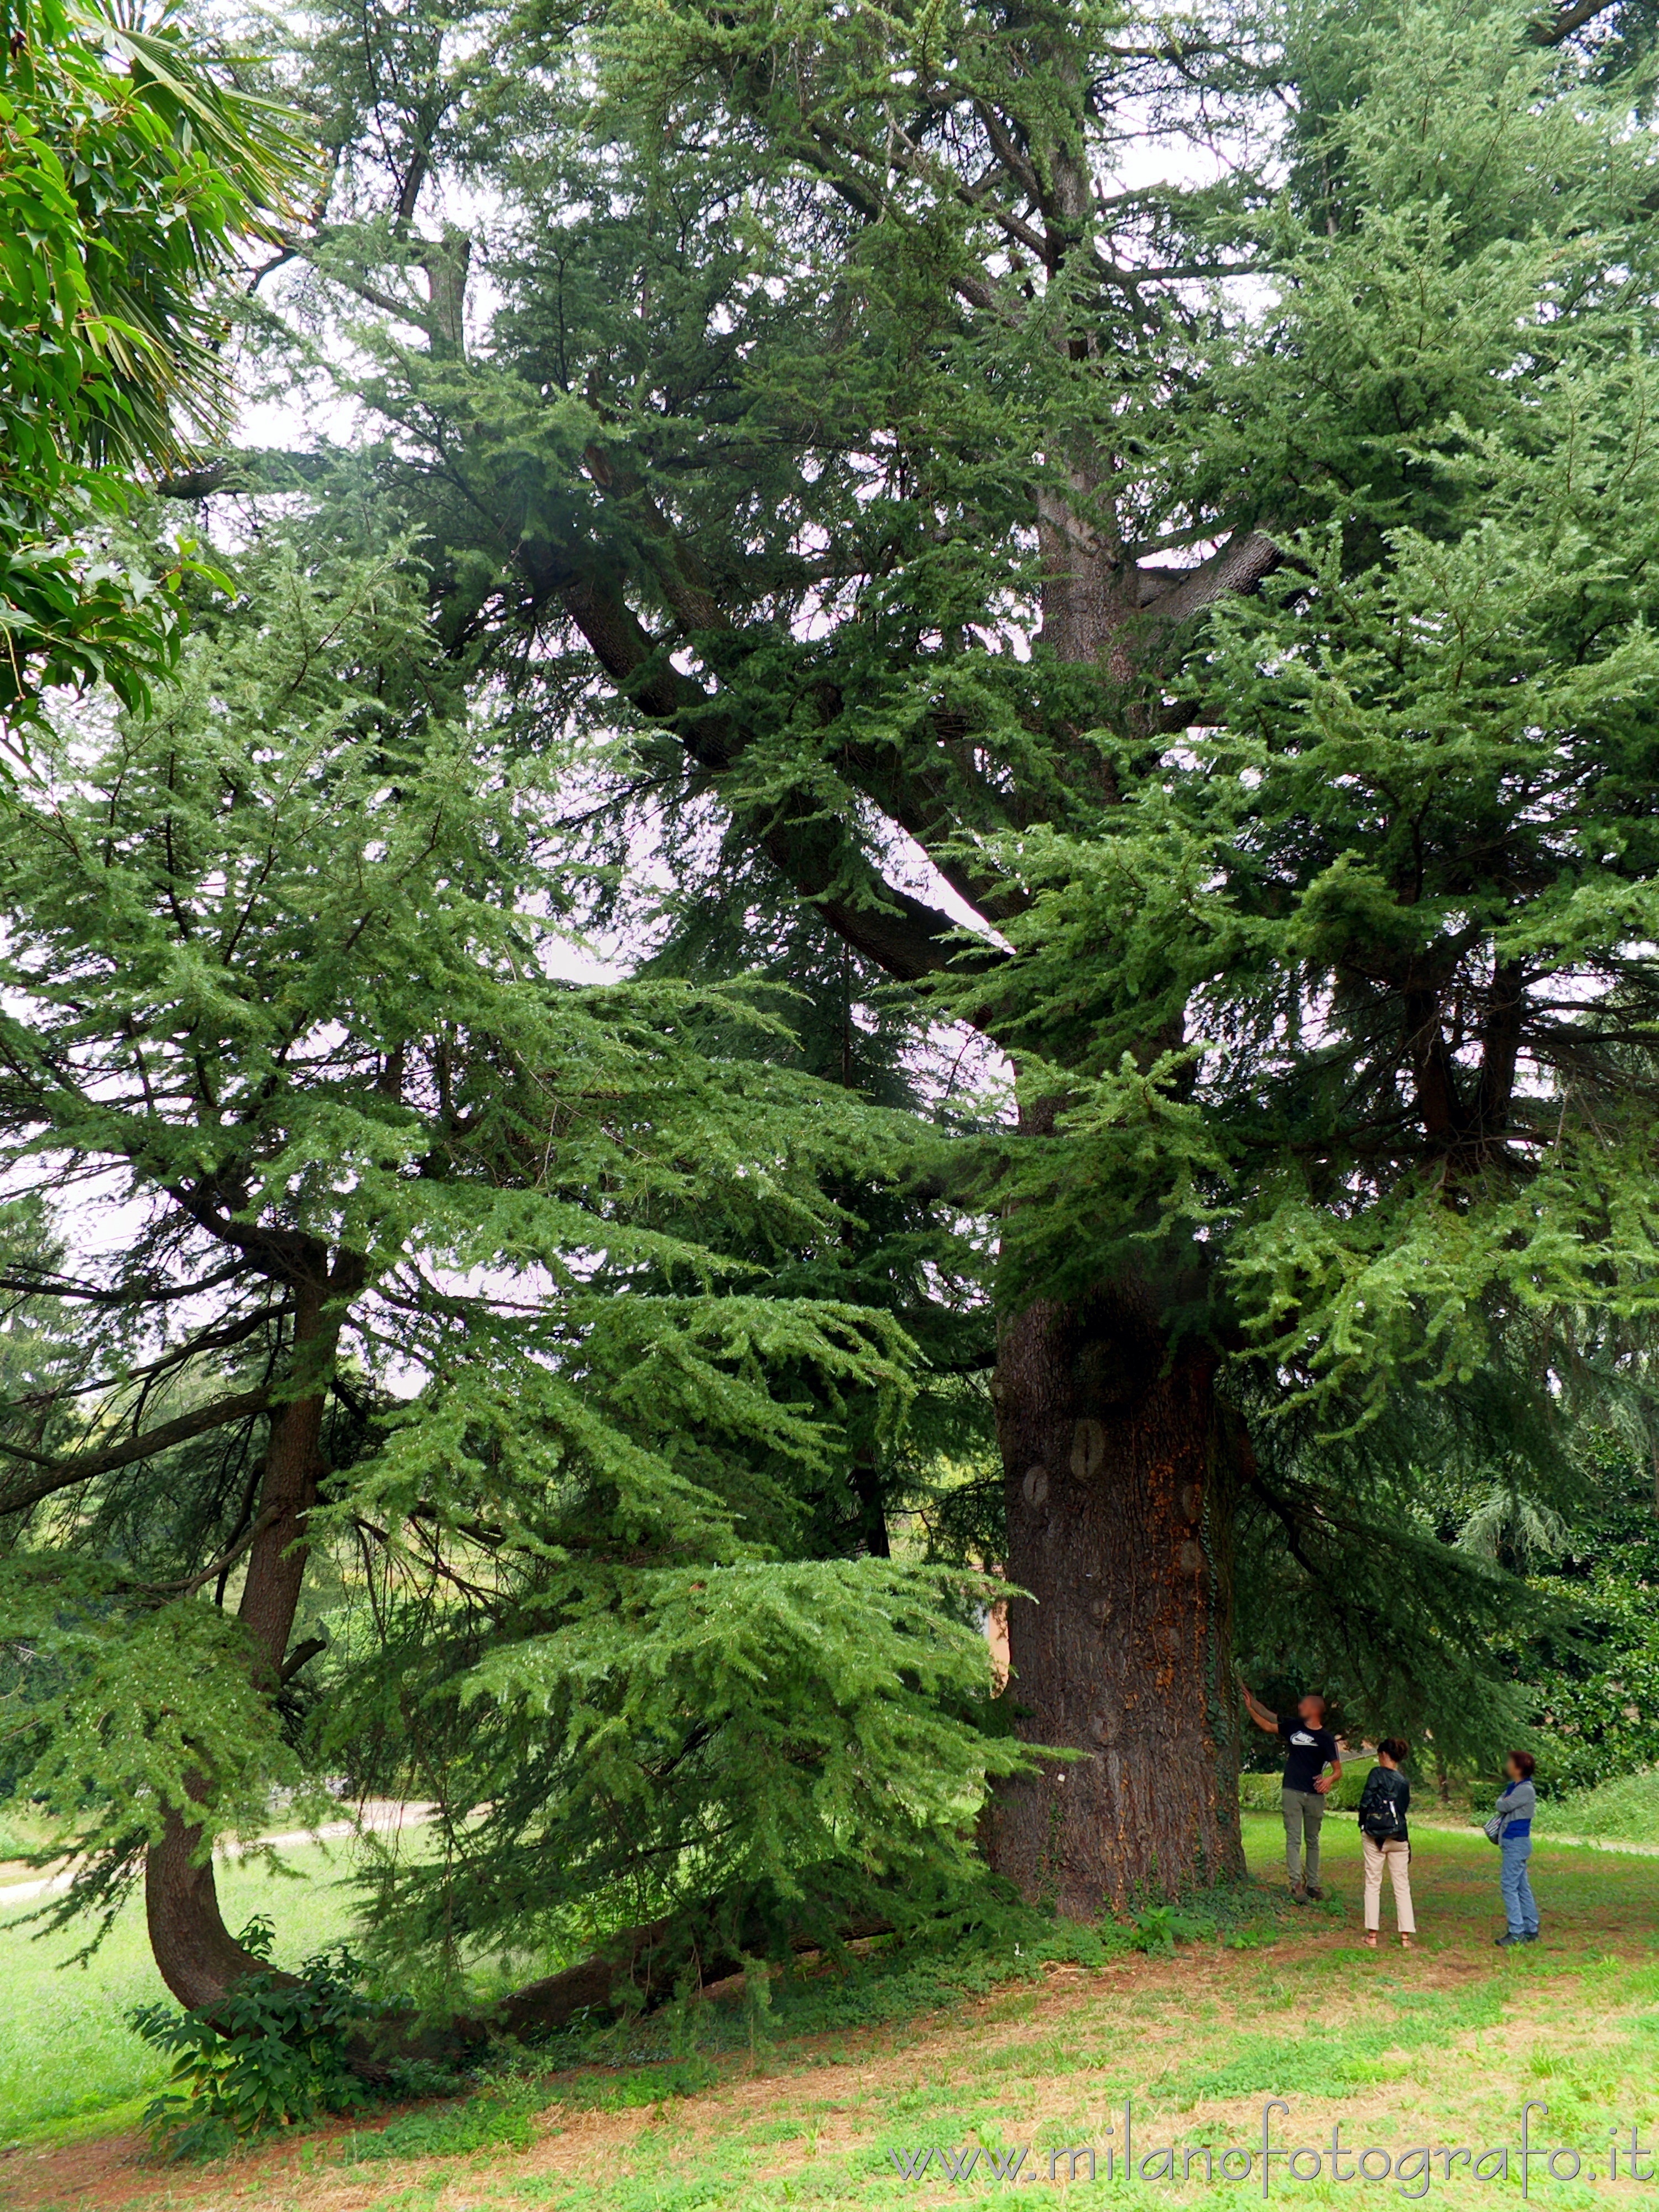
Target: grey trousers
(1303,1810)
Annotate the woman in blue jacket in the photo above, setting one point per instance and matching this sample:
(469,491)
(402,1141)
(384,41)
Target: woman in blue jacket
(1515,1811)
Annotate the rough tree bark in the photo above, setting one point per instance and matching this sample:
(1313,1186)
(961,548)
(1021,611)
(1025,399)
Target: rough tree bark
(196,1955)
(1118,1508)
(1116,1470)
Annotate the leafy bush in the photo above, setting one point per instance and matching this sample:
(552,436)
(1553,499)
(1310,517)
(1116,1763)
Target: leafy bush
(1594,1696)
(1159,1928)
(273,2054)
(1259,1793)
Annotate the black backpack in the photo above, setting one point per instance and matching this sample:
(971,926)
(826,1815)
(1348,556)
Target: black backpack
(1380,1817)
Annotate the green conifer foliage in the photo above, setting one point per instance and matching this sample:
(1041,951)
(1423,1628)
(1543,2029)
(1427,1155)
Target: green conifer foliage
(1395,889)
(401,1261)
(1186,481)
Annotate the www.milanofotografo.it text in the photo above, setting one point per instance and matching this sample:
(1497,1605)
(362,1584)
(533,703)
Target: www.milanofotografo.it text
(1531,2161)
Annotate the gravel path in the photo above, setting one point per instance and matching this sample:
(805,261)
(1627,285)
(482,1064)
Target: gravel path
(377,1815)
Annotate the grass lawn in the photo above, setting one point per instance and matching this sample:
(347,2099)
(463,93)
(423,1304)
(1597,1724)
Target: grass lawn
(1442,2047)
(66,2054)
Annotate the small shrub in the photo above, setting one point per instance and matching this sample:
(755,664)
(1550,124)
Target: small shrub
(272,2055)
(1159,1928)
(1155,1929)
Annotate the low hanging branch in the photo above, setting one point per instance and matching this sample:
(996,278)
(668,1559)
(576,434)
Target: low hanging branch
(645,1964)
(64,1474)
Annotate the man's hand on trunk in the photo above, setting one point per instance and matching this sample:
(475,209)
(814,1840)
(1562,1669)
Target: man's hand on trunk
(1258,1713)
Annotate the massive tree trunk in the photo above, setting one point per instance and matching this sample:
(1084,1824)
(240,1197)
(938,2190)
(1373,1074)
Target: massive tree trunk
(1119,1526)
(1119,1503)
(196,1956)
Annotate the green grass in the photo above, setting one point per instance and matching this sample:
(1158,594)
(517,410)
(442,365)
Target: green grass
(1622,1811)
(66,2053)
(1441,2046)
(968,2042)
(70,2066)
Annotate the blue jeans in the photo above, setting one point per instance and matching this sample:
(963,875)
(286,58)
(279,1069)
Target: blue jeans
(1518,1905)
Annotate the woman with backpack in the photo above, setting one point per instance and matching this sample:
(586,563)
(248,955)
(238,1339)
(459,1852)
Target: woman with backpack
(1383,1807)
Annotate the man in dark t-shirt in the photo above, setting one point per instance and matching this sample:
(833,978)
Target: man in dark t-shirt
(1310,1748)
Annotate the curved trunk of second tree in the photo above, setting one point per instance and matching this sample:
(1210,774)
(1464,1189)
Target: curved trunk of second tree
(1120,1515)
(196,1956)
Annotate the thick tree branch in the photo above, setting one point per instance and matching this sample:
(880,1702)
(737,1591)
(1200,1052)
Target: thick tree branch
(1501,1048)
(287,1254)
(903,935)
(1239,566)
(644,1962)
(677,573)
(301,1655)
(64,1474)
(1550,30)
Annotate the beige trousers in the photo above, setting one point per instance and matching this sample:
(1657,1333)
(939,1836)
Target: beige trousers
(1398,1859)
